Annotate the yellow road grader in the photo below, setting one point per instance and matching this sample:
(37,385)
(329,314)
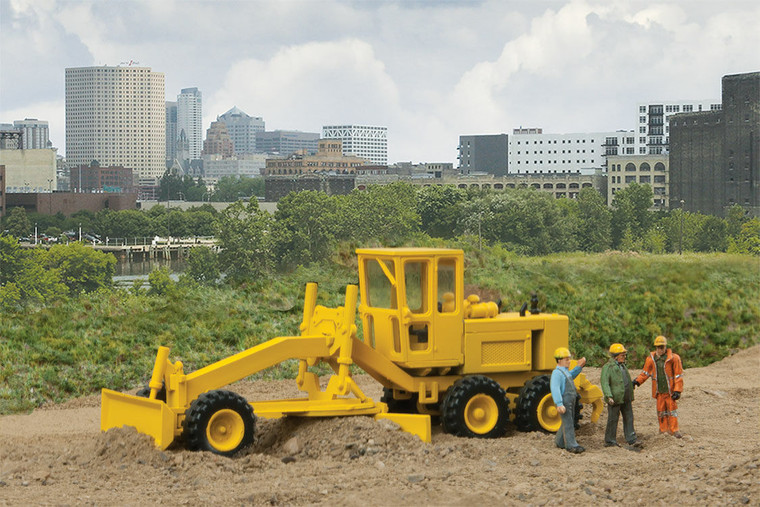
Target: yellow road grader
(435,352)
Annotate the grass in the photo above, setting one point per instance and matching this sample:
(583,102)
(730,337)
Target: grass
(706,304)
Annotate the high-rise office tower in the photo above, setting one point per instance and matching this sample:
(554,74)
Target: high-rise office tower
(35,134)
(363,141)
(286,142)
(218,140)
(190,119)
(172,135)
(116,115)
(242,129)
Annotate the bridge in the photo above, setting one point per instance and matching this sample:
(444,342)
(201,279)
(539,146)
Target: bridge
(141,249)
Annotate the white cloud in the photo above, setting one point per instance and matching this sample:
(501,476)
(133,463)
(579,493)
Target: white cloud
(306,86)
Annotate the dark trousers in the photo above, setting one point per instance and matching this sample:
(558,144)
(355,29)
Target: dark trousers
(613,414)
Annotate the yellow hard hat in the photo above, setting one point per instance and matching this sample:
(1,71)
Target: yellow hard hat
(617,348)
(660,340)
(562,353)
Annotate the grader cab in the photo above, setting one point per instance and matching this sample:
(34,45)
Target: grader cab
(435,351)
(469,363)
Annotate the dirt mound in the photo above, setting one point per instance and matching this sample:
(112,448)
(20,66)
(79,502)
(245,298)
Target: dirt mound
(58,455)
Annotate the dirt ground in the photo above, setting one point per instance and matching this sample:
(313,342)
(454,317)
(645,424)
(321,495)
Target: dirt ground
(57,455)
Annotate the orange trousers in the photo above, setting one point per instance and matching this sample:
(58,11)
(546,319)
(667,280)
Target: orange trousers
(667,413)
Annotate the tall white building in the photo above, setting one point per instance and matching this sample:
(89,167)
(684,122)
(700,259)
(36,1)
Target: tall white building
(116,115)
(35,134)
(653,132)
(243,129)
(532,151)
(190,119)
(361,140)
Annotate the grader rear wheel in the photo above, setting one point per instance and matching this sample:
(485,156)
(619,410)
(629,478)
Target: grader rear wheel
(219,421)
(475,406)
(535,409)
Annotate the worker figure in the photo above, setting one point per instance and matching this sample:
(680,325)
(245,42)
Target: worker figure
(564,395)
(666,371)
(617,387)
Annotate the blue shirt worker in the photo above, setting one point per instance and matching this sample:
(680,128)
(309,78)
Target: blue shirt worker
(564,395)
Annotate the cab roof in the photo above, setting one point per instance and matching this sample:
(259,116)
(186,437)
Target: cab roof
(410,251)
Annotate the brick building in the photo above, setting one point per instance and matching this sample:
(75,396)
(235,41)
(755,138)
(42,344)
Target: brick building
(329,158)
(91,178)
(71,202)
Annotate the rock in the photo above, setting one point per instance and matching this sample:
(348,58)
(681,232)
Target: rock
(415,478)
(535,463)
(292,446)
(288,459)
(380,465)
(389,425)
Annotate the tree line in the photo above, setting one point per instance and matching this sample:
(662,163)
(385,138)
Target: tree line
(308,226)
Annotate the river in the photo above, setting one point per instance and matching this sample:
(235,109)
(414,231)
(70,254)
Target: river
(127,272)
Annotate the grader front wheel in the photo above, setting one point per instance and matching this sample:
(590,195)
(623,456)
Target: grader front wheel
(475,406)
(219,421)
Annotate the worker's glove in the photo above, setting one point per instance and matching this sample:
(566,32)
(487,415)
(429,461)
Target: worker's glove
(675,395)
(636,384)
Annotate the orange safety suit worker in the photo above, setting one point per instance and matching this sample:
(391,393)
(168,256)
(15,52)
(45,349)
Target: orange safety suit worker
(667,409)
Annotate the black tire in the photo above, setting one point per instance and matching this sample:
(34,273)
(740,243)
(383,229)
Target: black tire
(533,397)
(144,392)
(487,418)
(214,412)
(399,406)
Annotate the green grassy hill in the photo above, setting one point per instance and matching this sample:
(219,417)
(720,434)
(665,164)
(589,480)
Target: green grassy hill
(708,305)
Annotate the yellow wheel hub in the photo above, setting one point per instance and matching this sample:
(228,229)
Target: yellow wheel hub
(481,414)
(548,417)
(225,430)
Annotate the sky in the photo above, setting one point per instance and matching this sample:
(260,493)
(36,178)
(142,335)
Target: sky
(429,71)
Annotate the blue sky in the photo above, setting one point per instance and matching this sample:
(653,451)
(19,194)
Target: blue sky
(430,71)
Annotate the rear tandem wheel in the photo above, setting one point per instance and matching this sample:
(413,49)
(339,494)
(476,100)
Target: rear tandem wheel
(475,406)
(535,409)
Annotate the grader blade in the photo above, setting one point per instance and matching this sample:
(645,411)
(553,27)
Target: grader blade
(151,417)
(416,424)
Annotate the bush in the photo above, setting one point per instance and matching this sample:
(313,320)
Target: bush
(160,282)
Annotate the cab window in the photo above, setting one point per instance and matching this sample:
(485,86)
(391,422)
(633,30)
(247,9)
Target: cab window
(447,287)
(380,290)
(416,281)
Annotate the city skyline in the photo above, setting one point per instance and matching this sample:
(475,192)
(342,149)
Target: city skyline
(428,71)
